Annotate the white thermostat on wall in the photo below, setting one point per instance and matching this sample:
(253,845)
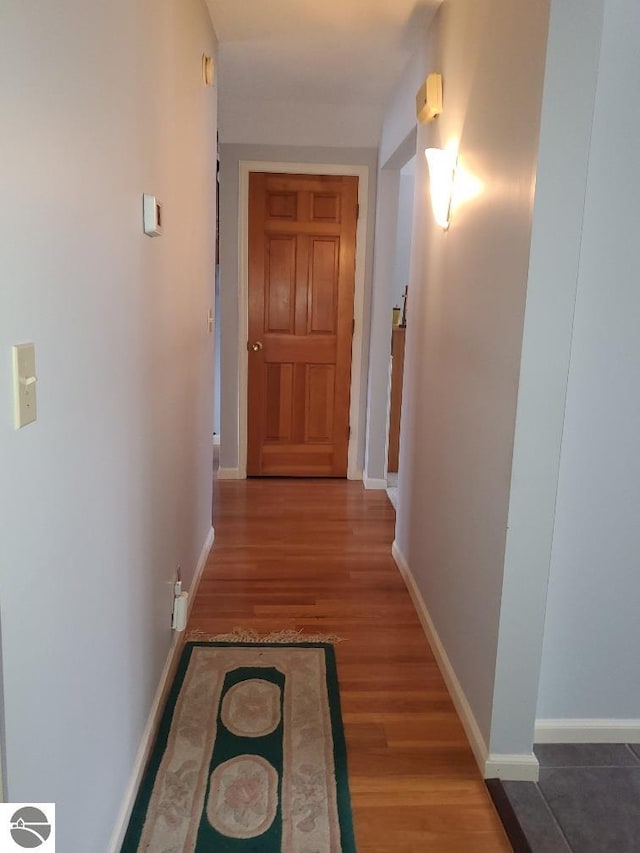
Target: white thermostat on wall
(151,215)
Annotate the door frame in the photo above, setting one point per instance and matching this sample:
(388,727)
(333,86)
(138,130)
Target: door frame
(362,172)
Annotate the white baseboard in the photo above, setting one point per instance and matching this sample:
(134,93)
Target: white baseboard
(157,707)
(587,731)
(374,483)
(202,562)
(354,473)
(512,768)
(230,474)
(148,735)
(462,706)
(497,765)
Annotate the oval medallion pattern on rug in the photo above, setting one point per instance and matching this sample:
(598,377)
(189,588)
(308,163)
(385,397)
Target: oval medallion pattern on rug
(252,708)
(243,797)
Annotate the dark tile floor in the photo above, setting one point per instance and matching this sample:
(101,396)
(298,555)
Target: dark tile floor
(587,799)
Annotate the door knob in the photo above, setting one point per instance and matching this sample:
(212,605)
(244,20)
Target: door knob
(257,346)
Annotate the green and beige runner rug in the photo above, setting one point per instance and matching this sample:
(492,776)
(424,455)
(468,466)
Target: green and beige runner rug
(250,755)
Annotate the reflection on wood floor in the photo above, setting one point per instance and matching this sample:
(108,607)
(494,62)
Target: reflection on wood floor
(316,555)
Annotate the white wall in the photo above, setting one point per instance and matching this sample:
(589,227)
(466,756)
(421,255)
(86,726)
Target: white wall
(567,112)
(465,320)
(592,634)
(299,120)
(110,489)
(403,234)
(277,122)
(230,157)
(400,114)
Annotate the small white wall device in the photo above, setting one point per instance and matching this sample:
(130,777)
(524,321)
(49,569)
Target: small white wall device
(180,607)
(429,99)
(24,384)
(151,215)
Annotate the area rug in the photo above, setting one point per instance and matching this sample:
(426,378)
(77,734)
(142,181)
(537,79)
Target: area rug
(250,755)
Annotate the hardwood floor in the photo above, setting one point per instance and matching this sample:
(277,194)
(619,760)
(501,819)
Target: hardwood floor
(316,555)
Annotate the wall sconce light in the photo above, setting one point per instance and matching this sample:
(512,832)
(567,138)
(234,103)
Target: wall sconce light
(442,168)
(208,70)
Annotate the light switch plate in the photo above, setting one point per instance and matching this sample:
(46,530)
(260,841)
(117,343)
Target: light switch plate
(24,384)
(151,215)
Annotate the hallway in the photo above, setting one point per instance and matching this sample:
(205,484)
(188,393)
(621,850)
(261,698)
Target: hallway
(316,556)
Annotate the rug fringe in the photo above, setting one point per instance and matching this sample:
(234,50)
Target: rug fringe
(248,635)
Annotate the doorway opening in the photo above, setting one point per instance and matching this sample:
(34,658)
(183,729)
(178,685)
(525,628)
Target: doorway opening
(400,296)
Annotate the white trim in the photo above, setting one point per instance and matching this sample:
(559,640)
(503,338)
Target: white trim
(373,483)
(462,706)
(157,706)
(518,767)
(230,474)
(216,440)
(587,731)
(202,562)
(148,735)
(512,768)
(355,415)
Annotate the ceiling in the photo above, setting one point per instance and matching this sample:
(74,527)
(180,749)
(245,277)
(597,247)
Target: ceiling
(316,51)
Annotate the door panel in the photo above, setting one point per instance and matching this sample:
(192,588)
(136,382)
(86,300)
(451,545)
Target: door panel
(279,415)
(325,207)
(320,392)
(323,286)
(280,284)
(282,205)
(301,285)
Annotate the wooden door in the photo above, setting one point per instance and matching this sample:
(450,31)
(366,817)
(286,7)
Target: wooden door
(302,233)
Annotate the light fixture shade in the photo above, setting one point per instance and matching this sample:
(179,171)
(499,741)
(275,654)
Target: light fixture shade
(442,167)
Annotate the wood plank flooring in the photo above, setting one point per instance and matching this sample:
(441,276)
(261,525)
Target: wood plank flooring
(316,555)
